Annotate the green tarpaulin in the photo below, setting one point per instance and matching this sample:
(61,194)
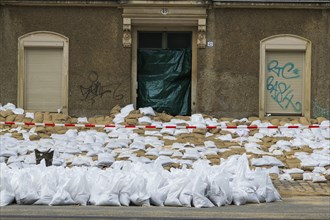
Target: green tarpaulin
(164,80)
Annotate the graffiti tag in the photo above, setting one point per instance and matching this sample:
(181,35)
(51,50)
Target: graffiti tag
(281,91)
(287,71)
(282,94)
(96,89)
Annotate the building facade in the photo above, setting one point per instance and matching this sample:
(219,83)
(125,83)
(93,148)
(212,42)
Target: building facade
(232,58)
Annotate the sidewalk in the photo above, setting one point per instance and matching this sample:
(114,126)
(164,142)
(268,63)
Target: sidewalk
(294,207)
(302,188)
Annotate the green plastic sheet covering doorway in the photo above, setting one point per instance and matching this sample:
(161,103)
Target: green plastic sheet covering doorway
(164,80)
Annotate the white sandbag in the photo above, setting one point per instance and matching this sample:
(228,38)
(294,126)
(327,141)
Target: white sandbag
(7,153)
(3,159)
(175,187)
(152,152)
(17,165)
(308,176)
(78,186)
(62,195)
(147,111)
(89,139)
(48,187)
(145,119)
(124,194)
(226,137)
(199,200)
(186,195)
(139,145)
(320,170)
(190,154)
(169,131)
(29,115)
(105,159)
(119,118)
(285,176)
(181,131)
(309,162)
(211,122)
(272,194)
(72,133)
(158,188)
(7,195)
(244,190)
(118,143)
(210,144)
(176,154)
(266,161)
(105,190)
(166,152)
(197,120)
(293,170)
(317,178)
(126,110)
(8,106)
(216,195)
(82,120)
(152,133)
(170,138)
(139,193)
(242,132)
(178,121)
(26,186)
(82,161)
(18,111)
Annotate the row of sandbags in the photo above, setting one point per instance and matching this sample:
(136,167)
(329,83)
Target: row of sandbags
(127,183)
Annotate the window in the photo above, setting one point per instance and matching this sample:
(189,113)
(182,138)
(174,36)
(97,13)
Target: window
(285,76)
(164,40)
(43,72)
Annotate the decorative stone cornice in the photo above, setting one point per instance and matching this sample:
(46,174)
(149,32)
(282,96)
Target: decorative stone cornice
(177,16)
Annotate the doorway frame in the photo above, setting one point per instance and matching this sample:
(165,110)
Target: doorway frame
(194,33)
(43,39)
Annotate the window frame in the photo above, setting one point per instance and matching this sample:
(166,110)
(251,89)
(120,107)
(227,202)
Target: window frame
(42,39)
(282,43)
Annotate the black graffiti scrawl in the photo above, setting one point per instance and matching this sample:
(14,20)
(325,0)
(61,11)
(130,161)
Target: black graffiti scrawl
(96,89)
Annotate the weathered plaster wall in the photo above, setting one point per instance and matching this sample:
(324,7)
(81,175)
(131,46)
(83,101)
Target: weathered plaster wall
(228,73)
(96,55)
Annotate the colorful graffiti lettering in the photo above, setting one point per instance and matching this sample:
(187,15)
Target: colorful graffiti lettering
(288,71)
(282,94)
(281,91)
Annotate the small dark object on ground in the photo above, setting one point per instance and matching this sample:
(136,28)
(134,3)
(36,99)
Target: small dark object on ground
(48,156)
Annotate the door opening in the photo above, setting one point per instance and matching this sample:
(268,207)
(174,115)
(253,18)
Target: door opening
(164,64)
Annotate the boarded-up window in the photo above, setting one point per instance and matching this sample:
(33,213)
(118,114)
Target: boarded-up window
(43,79)
(284,82)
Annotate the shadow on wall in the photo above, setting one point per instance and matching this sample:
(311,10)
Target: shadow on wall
(319,111)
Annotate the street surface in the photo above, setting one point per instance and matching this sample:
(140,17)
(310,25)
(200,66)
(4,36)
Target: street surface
(297,207)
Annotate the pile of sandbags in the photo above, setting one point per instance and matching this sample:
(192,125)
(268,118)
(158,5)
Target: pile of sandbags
(274,150)
(126,183)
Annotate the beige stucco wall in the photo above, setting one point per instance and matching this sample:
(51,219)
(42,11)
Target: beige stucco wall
(229,71)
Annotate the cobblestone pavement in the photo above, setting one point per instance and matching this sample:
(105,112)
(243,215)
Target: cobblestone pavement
(302,188)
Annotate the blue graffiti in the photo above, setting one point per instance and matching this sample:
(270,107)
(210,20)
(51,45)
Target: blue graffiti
(282,94)
(288,71)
